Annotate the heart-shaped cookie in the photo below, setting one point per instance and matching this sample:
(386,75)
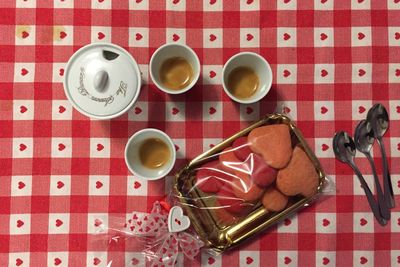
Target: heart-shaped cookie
(244,187)
(241,148)
(273,200)
(299,176)
(210,177)
(262,174)
(228,201)
(177,222)
(273,143)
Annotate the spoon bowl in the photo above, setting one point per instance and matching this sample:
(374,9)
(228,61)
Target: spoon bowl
(379,119)
(344,147)
(364,137)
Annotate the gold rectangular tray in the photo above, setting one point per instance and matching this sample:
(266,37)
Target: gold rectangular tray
(221,237)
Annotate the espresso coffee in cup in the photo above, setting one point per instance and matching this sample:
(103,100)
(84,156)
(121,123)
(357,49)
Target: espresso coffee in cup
(154,153)
(176,73)
(243,82)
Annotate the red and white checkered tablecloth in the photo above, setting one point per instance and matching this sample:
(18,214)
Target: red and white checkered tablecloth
(59,171)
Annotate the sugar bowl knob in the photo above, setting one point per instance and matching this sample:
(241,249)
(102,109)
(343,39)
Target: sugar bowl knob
(100,80)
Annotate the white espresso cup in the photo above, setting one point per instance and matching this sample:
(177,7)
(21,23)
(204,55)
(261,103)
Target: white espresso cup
(132,157)
(166,52)
(260,66)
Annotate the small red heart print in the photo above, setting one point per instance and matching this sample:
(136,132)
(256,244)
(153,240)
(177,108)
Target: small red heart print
(134,261)
(100,147)
(361,109)
(139,223)
(175,37)
(99,184)
(24,71)
(98,222)
(398,221)
(361,72)
(324,73)
(363,221)
(212,74)
(249,37)
(175,111)
(139,1)
(21,185)
(363,260)
(287,222)
(249,110)
(397,73)
(287,260)
(398,183)
(176,147)
(360,1)
(138,110)
(96,261)
(325,261)
(398,146)
(135,217)
(286,73)
(23,109)
(324,110)
(138,37)
(361,36)
(136,185)
(59,222)
(286,36)
(212,110)
(286,1)
(61,147)
(325,222)
(61,109)
(57,261)
(211,260)
(249,2)
(61,72)
(396,1)
(22,147)
(323,36)
(101,1)
(323,1)
(100,35)
(286,110)
(324,147)
(212,37)
(249,260)
(398,259)
(25,34)
(60,184)
(20,223)
(175,2)
(18,262)
(212,2)
(398,109)
(63,35)
(397,36)
(211,145)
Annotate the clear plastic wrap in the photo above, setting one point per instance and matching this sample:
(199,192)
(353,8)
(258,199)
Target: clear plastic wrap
(249,182)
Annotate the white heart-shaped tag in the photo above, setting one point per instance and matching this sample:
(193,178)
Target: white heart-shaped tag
(177,222)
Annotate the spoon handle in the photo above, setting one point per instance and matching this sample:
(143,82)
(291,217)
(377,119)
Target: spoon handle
(372,203)
(387,183)
(383,207)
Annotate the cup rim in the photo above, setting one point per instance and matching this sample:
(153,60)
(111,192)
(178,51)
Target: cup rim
(170,144)
(268,84)
(165,89)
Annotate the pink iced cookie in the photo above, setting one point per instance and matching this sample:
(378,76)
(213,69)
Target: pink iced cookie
(210,177)
(273,143)
(228,201)
(241,148)
(262,174)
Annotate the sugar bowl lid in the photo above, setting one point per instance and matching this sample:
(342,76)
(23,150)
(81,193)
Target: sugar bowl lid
(102,80)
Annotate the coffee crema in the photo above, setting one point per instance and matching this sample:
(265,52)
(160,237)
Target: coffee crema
(154,153)
(176,73)
(243,82)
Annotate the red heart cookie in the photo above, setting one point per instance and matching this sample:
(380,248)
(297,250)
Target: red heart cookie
(262,174)
(299,176)
(273,143)
(227,200)
(273,200)
(241,148)
(245,188)
(210,178)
